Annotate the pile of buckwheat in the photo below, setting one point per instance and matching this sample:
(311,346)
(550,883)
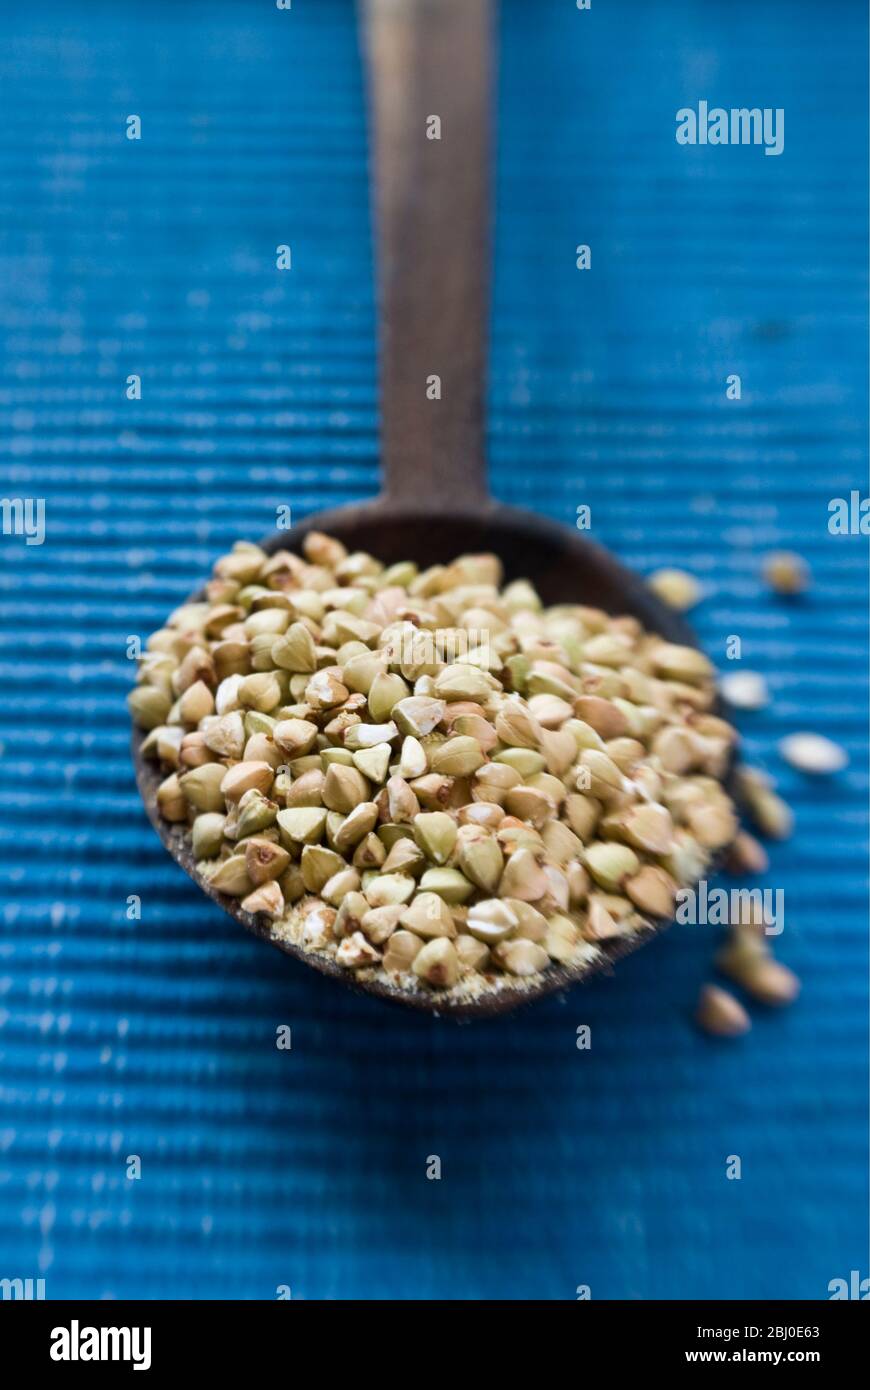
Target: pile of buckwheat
(426,776)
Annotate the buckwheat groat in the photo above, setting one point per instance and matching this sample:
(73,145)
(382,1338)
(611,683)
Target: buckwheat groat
(429,776)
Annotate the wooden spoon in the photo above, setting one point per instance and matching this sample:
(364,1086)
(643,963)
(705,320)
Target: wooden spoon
(432,58)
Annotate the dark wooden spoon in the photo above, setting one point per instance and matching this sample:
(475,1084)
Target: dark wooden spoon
(433,58)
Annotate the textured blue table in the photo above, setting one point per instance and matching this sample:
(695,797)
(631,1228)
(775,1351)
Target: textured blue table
(306,1168)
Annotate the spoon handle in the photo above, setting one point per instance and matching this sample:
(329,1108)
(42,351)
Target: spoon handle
(431,59)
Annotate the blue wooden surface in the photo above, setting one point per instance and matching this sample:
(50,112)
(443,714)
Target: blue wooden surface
(306,1168)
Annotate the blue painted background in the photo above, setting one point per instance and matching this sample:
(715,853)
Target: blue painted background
(306,1168)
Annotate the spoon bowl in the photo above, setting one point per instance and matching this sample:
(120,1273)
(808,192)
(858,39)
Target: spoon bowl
(564,567)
